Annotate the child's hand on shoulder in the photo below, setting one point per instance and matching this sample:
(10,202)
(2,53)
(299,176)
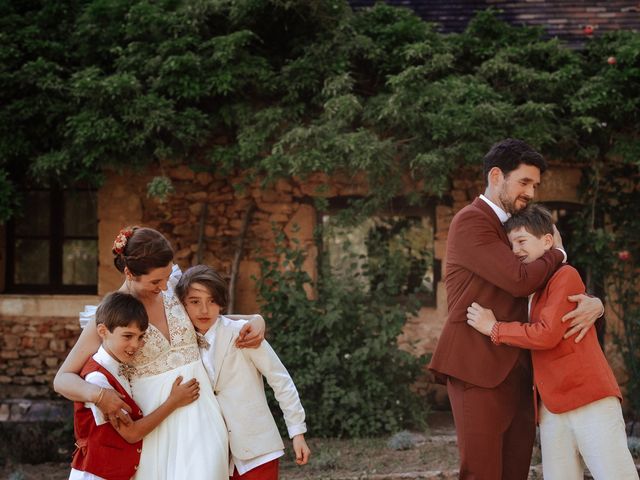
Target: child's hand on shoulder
(301,449)
(184,393)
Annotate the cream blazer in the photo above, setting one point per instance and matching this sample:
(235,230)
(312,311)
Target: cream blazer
(239,387)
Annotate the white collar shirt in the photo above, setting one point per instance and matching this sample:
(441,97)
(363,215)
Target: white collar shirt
(500,213)
(207,354)
(112,366)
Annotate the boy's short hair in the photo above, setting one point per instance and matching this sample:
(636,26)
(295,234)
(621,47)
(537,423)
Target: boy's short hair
(535,219)
(208,277)
(119,309)
(508,155)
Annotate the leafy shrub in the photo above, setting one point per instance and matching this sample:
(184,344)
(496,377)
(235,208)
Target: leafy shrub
(609,251)
(341,347)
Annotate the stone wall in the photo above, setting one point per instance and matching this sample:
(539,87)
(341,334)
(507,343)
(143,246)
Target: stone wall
(203,219)
(36,333)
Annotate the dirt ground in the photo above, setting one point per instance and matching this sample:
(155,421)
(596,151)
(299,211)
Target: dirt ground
(332,459)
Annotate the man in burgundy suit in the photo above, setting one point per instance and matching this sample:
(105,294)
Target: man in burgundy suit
(489,387)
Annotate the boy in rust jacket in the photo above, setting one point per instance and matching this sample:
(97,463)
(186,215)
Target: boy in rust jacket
(580,414)
(102,451)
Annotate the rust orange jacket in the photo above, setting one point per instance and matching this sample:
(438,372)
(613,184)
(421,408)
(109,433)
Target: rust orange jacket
(567,375)
(480,267)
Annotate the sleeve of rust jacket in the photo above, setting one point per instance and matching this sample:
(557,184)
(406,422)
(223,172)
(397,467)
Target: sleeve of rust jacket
(483,252)
(546,328)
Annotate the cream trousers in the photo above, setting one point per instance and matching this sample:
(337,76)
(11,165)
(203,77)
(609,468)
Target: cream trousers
(595,432)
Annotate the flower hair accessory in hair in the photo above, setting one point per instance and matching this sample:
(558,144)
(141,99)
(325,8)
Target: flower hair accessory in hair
(121,240)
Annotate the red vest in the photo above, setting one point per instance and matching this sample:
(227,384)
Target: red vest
(100,449)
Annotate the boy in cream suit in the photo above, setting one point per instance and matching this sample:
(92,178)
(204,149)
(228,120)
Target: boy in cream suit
(236,376)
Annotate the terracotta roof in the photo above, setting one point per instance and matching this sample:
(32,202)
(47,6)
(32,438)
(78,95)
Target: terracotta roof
(560,18)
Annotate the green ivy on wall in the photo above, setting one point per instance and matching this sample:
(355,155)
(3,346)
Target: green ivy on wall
(279,87)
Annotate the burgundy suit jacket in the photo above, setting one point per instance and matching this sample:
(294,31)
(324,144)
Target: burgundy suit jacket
(567,374)
(481,267)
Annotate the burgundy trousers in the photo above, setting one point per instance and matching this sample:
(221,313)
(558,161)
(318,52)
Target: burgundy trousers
(266,471)
(495,426)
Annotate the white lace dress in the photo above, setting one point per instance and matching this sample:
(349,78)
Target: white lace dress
(192,442)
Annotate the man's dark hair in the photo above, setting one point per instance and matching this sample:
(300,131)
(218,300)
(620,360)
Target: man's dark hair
(119,309)
(535,219)
(508,155)
(208,277)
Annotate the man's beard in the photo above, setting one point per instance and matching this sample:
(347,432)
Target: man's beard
(510,205)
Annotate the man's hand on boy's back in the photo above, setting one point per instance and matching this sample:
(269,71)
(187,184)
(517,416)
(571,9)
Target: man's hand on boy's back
(252,333)
(301,449)
(588,310)
(557,238)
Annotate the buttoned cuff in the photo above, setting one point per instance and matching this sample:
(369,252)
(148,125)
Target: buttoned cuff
(495,333)
(297,429)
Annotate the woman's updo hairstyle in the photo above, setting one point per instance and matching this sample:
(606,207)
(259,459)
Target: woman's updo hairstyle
(141,250)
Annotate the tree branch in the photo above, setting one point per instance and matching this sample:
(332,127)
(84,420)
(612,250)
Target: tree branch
(235,266)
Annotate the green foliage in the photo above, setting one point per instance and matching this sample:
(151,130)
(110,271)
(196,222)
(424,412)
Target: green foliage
(160,188)
(618,263)
(609,250)
(341,347)
(289,87)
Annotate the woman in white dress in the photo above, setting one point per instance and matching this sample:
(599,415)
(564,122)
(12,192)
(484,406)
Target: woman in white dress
(192,442)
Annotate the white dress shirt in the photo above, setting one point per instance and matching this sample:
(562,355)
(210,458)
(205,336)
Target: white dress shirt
(207,354)
(500,213)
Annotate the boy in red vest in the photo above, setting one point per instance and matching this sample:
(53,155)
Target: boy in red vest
(102,452)
(579,399)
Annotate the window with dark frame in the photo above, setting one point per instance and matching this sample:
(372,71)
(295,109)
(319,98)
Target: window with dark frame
(402,234)
(52,244)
